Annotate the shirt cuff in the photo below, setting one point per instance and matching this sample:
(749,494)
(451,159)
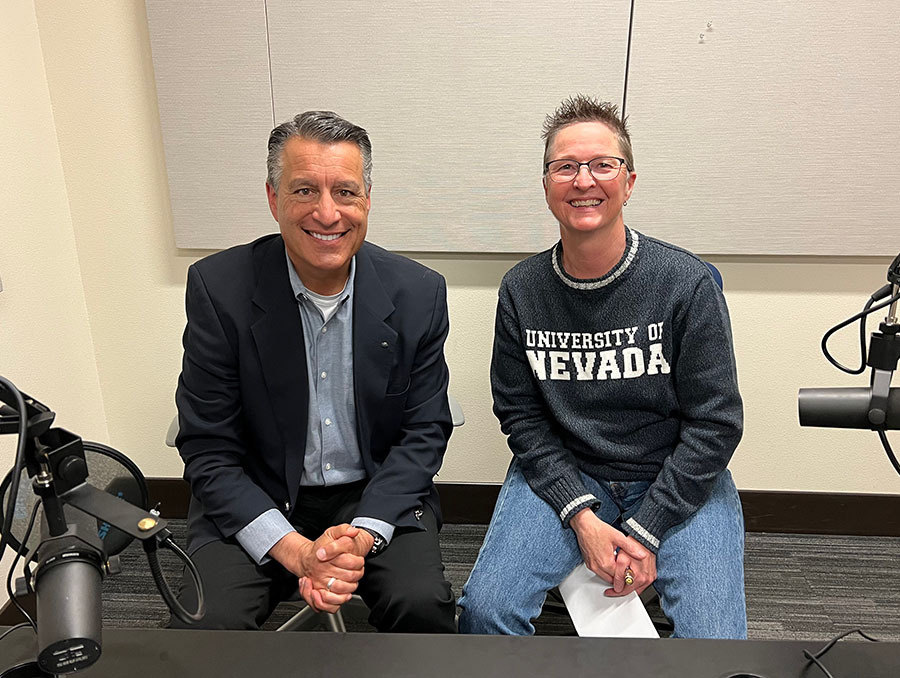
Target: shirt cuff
(386,530)
(262,533)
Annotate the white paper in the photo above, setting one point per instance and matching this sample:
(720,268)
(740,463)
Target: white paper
(596,615)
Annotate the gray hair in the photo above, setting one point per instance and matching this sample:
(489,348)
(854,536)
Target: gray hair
(322,126)
(582,108)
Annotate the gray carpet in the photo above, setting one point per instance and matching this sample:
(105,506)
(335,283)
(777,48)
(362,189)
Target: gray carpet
(800,587)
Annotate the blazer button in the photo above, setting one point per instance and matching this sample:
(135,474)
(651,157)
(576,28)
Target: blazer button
(384,344)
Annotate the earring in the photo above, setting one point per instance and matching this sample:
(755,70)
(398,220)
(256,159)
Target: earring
(624,203)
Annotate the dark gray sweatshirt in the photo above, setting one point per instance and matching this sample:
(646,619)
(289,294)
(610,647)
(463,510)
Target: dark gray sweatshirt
(627,377)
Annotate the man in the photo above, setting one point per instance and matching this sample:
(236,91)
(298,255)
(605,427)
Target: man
(613,375)
(313,403)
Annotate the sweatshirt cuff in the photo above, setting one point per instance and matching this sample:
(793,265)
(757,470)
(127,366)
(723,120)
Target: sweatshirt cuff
(634,529)
(569,510)
(567,496)
(650,523)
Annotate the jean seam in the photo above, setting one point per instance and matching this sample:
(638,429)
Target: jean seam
(501,500)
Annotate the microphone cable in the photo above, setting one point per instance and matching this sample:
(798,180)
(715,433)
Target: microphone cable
(23,625)
(21,552)
(861,316)
(882,436)
(17,464)
(816,658)
(164,538)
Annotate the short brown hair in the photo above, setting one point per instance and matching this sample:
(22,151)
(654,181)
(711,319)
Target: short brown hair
(582,108)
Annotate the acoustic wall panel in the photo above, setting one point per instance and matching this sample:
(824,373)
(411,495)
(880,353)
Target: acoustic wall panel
(215,105)
(776,133)
(453,95)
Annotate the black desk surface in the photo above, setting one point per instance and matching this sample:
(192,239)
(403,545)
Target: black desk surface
(173,654)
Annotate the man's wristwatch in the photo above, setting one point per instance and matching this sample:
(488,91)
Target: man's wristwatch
(379,545)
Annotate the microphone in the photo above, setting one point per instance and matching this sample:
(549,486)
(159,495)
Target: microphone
(67,584)
(79,527)
(878,407)
(845,408)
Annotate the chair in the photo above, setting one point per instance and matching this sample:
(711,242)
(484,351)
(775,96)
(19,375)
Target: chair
(717,276)
(306,617)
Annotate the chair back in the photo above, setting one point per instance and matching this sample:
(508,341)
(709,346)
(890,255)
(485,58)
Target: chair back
(717,276)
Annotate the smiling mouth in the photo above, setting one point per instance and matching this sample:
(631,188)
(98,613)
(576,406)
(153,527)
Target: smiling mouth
(326,237)
(585,203)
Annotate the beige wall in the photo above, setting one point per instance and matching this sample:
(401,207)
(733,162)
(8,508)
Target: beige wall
(46,346)
(84,195)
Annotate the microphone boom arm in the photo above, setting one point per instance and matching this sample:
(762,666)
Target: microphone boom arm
(117,512)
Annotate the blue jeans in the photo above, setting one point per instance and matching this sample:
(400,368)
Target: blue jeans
(527,551)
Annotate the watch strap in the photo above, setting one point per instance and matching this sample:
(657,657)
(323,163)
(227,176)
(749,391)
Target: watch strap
(379,543)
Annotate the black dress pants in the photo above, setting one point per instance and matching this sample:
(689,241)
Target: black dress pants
(403,586)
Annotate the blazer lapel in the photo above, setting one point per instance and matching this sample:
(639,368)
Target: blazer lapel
(278,332)
(374,347)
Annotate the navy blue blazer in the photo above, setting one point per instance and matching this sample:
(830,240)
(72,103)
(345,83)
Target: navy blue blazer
(242,395)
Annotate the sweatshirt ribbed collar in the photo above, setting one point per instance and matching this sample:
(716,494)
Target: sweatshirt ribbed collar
(632,238)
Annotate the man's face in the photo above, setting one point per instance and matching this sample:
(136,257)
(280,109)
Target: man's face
(586,205)
(322,209)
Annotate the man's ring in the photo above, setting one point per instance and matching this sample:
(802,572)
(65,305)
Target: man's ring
(330,583)
(629,577)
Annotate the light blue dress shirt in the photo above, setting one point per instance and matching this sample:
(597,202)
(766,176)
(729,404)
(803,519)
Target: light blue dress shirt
(332,454)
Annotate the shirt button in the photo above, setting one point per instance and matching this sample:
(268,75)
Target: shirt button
(324,374)
(327,467)
(327,422)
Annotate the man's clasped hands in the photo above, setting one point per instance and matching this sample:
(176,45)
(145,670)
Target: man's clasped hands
(329,568)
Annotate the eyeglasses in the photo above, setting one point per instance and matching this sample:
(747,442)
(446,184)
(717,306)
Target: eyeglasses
(604,168)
